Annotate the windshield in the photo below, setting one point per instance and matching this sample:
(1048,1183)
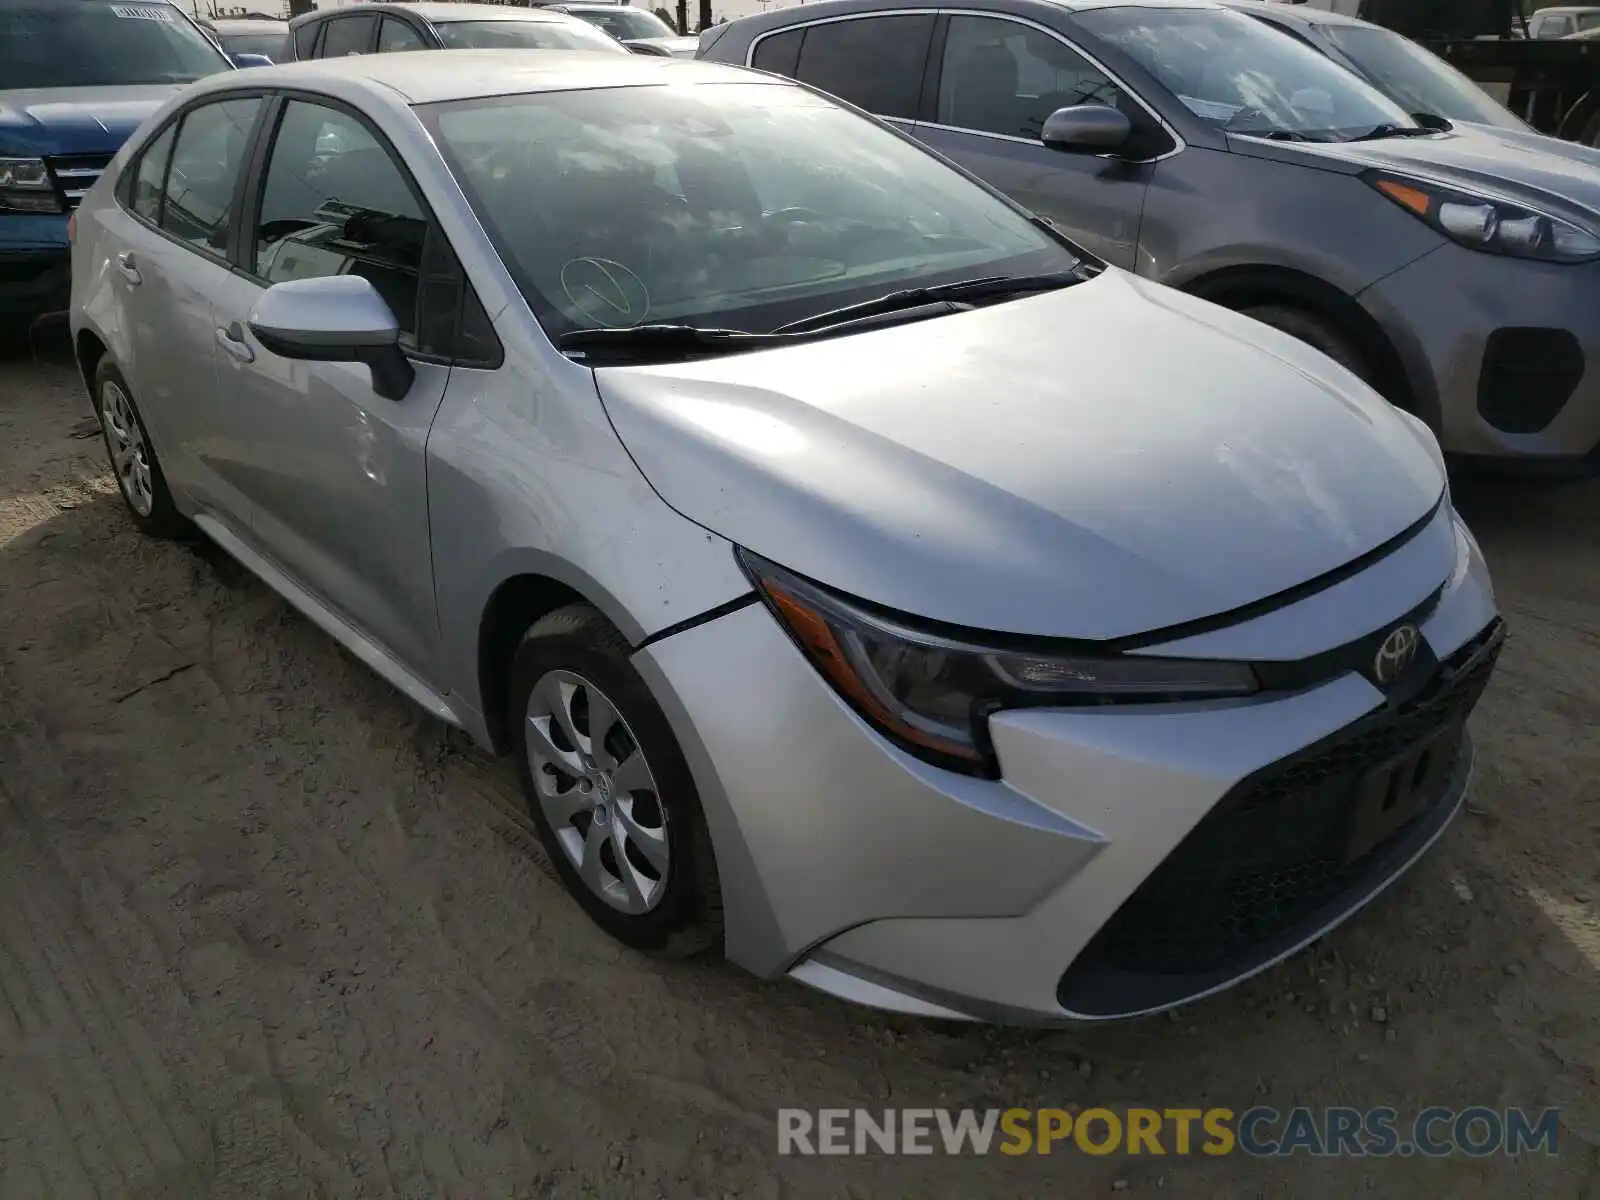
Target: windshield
(1244,77)
(621,22)
(273,45)
(88,43)
(1420,81)
(743,206)
(523,35)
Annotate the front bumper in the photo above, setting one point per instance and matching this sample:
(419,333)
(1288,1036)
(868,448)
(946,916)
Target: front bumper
(1504,352)
(35,267)
(855,868)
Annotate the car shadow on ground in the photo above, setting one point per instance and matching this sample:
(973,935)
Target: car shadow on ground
(273,817)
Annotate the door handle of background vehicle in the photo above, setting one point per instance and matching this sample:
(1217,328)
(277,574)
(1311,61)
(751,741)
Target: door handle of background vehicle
(232,340)
(129,268)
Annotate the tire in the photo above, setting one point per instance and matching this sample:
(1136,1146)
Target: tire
(1316,332)
(622,822)
(133,458)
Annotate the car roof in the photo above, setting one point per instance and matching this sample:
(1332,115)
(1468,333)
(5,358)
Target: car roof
(431,76)
(1300,14)
(233,25)
(437,14)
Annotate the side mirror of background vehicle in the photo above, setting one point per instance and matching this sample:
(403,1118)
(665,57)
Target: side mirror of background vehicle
(250,60)
(335,318)
(1086,129)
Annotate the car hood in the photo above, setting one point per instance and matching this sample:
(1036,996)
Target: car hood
(1110,459)
(1508,162)
(677,47)
(93,120)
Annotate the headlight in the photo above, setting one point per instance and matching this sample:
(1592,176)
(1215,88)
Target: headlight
(931,693)
(25,186)
(1489,224)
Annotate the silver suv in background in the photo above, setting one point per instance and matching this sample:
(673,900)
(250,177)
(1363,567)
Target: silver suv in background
(1456,269)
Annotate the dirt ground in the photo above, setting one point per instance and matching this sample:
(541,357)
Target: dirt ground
(266,931)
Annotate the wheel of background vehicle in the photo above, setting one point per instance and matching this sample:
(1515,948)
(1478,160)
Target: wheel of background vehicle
(133,459)
(609,790)
(1314,331)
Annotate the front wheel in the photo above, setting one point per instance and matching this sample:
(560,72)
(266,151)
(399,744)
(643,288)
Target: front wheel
(609,790)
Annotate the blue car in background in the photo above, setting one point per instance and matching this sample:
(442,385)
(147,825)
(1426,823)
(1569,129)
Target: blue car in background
(76,78)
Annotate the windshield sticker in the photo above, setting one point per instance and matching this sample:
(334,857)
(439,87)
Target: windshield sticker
(143,12)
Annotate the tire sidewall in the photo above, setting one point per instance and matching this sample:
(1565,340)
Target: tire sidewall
(164,519)
(680,905)
(1314,332)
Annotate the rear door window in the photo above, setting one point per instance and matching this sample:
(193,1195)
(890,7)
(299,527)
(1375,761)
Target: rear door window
(348,35)
(396,35)
(875,63)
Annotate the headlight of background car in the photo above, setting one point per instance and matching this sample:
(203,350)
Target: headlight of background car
(1493,225)
(25,186)
(932,694)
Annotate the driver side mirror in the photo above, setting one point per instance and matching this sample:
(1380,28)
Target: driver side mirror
(250,60)
(1086,129)
(335,318)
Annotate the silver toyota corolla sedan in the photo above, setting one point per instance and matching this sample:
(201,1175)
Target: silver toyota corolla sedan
(865,580)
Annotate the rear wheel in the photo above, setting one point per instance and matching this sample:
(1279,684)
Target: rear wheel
(609,790)
(133,458)
(1315,331)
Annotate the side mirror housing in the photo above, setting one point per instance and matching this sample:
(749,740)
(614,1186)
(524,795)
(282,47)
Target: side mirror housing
(250,60)
(335,318)
(1086,129)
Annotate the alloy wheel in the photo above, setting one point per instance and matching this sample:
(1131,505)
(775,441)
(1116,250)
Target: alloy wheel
(597,792)
(130,457)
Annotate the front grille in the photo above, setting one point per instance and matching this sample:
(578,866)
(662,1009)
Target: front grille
(1283,851)
(1527,377)
(75,175)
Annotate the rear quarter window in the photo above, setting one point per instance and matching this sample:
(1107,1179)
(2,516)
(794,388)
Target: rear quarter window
(779,53)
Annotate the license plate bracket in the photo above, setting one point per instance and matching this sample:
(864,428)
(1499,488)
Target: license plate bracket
(1389,797)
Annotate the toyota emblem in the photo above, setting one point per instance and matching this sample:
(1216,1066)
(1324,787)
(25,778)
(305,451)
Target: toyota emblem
(1396,654)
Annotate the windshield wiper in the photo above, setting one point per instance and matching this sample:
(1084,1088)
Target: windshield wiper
(986,287)
(1378,132)
(666,341)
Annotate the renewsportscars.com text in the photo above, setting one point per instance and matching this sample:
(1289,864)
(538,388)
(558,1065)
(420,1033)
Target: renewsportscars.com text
(1261,1132)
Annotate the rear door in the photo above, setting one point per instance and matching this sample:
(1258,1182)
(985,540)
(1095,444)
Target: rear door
(996,80)
(169,248)
(875,62)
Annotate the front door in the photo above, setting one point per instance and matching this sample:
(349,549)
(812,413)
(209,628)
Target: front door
(338,473)
(997,82)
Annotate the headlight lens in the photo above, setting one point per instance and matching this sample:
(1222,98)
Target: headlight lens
(25,186)
(1489,224)
(932,694)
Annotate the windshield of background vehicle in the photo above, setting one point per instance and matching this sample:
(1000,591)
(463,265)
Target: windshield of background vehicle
(1421,81)
(623,22)
(90,43)
(524,35)
(1243,76)
(274,45)
(739,206)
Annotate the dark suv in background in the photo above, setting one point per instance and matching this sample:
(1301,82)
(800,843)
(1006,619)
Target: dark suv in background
(76,78)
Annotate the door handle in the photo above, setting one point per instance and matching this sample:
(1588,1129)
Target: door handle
(129,267)
(232,340)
